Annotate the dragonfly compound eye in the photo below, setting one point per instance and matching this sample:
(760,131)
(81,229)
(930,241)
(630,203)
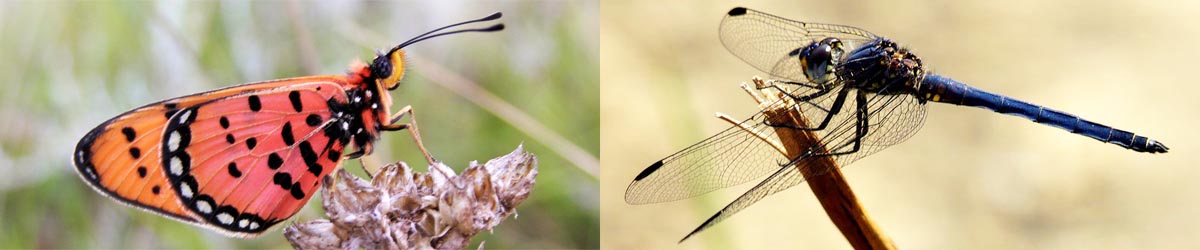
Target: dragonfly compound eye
(818,59)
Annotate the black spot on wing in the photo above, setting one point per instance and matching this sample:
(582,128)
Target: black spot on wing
(296,192)
(313,120)
(129,134)
(315,168)
(284,180)
(229,138)
(135,152)
(274,161)
(224,122)
(306,151)
(171,109)
(141,171)
(648,171)
(255,103)
(737,11)
(294,96)
(334,155)
(233,170)
(251,143)
(288,138)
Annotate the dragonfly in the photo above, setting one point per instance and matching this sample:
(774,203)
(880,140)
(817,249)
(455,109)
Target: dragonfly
(861,92)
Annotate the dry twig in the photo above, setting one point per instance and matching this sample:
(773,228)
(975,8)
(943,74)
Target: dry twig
(831,189)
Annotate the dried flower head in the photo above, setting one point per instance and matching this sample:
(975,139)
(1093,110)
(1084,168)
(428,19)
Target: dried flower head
(400,209)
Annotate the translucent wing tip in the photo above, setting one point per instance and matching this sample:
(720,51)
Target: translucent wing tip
(633,197)
(705,225)
(737,11)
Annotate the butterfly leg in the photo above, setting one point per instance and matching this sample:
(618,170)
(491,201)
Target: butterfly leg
(356,154)
(363,163)
(393,125)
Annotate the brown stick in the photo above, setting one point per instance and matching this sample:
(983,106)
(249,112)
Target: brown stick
(830,188)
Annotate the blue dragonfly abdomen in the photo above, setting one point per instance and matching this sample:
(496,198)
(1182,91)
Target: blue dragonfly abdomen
(942,89)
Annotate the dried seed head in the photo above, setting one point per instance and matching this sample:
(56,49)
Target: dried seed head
(402,209)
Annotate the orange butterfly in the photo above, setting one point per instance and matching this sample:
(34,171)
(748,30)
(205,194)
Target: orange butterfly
(241,159)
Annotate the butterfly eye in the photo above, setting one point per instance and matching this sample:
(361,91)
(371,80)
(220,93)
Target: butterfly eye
(389,68)
(381,67)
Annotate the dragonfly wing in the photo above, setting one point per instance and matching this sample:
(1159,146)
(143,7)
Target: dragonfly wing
(783,178)
(891,119)
(728,158)
(770,42)
(733,156)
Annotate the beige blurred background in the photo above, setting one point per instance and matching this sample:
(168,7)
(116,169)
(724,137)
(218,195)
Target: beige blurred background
(971,179)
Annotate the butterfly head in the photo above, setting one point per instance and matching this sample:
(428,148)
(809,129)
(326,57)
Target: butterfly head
(388,68)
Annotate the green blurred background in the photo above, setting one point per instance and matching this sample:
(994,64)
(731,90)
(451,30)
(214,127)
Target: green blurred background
(67,66)
(970,179)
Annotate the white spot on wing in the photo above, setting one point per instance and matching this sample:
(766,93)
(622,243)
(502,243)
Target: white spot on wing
(242,223)
(183,117)
(203,206)
(176,166)
(225,218)
(173,141)
(185,189)
(253,225)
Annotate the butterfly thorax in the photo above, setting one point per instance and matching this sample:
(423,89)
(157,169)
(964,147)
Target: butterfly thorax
(358,118)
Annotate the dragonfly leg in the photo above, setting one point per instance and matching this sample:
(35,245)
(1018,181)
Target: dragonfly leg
(794,83)
(862,125)
(833,110)
(821,91)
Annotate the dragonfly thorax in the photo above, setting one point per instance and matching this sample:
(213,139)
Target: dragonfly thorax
(882,67)
(819,59)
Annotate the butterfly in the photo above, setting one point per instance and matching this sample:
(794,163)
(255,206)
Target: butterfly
(241,159)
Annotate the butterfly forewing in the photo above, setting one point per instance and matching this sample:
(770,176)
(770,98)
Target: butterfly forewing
(245,162)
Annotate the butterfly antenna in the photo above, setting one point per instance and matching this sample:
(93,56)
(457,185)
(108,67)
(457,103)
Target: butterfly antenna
(432,33)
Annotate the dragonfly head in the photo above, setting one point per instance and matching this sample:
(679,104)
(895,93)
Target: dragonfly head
(820,58)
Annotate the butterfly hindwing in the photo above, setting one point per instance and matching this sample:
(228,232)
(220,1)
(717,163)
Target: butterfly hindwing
(245,162)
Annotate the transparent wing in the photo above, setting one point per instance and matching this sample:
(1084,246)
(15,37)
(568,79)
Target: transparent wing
(891,119)
(770,43)
(732,156)
(728,158)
